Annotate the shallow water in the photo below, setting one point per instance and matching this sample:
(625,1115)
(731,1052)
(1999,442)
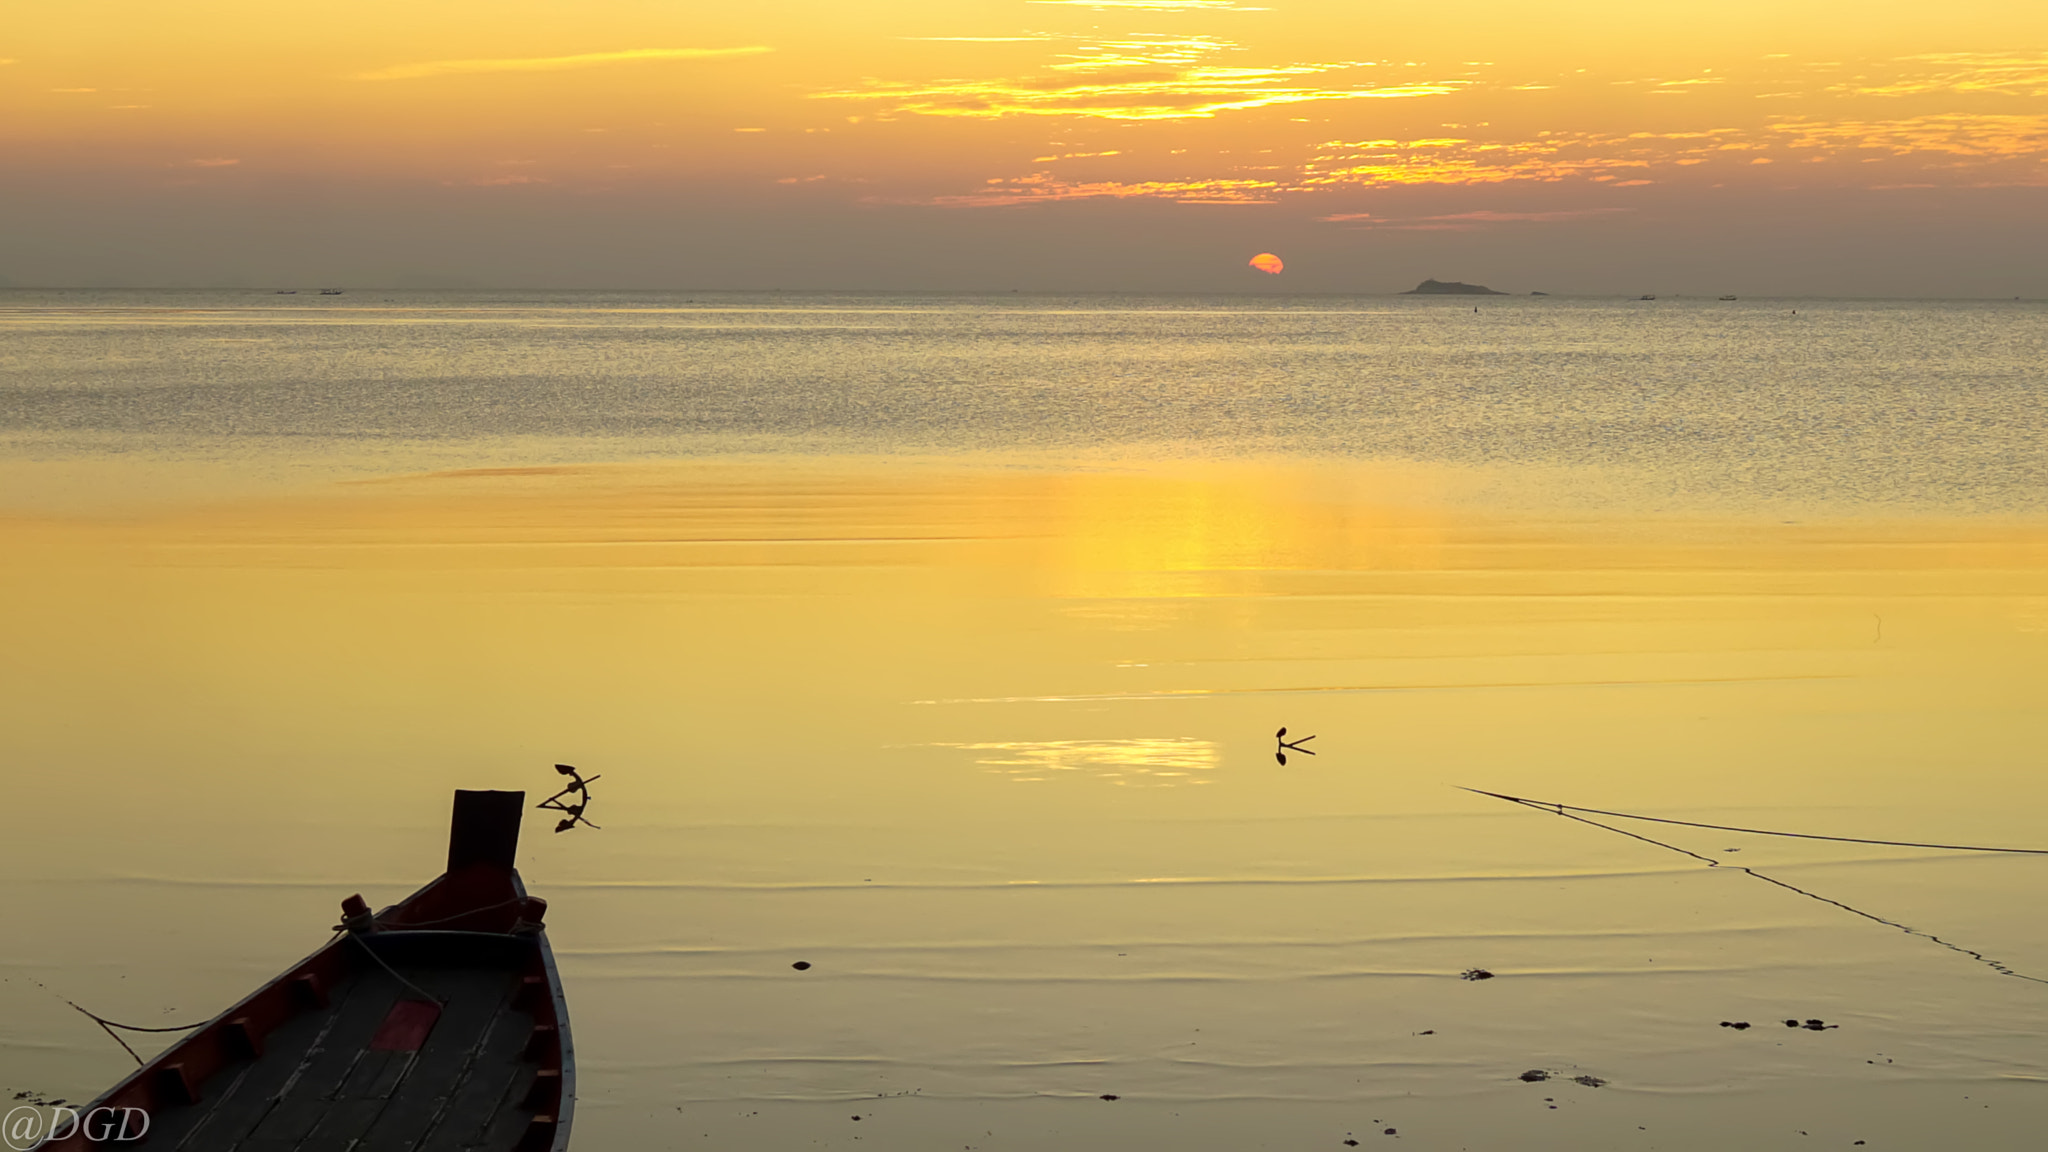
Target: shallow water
(986,737)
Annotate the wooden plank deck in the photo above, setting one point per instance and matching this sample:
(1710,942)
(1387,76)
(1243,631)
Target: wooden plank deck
(320,1085)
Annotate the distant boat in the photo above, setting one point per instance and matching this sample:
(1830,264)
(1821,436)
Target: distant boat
(436,1023)
(287,291)
(330,291)
(1727,297)
(1647,296)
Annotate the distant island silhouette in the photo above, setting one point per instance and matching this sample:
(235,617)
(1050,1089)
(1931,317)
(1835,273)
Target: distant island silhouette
(1452,288)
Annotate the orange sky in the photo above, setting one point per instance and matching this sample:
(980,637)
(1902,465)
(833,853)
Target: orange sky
(925,144)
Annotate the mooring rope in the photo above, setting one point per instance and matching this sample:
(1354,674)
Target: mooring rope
(1561,809)
(394,972)
(1568,811)
(108,1026)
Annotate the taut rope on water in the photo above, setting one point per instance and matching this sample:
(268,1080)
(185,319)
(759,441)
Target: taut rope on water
(1570,812)
(1561,809)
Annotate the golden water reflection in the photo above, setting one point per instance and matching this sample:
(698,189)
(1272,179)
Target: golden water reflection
(1159,761)
(930,725)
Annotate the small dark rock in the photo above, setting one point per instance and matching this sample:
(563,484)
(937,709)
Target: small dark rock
(1390,1131)
(1590,1081)
(1427,1032)
(1791,1023)
(1351,1143)
(1534,1076)
(856,1117)
(1475,974)
(802,965)
(1818,1026)
(1110,1096)
(1738,1025)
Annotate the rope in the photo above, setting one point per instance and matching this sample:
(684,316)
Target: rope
(108,1026)
(394,972)
(1562,809)
(458,916)
(1709,861)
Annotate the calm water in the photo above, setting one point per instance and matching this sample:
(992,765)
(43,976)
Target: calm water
(940,643)
(1746,401)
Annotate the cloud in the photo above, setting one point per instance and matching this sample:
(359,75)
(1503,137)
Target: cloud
(1136,78)
(2005,74)
(1045,188)
(211,162)
(552,63)
(1452,160)
(1959,134)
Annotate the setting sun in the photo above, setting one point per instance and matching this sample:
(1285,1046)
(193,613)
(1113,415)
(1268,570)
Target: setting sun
(1268,263)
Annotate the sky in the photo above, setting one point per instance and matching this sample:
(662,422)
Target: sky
(1823,147)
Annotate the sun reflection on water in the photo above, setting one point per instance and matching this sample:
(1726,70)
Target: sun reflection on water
(1163,761)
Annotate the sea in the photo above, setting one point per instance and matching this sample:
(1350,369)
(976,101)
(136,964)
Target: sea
(1074,722)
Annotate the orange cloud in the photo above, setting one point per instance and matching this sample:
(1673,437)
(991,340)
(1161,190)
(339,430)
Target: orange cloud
(1142,77)
(1044,187)
(1453,160)
(1988,137)
(2004,73)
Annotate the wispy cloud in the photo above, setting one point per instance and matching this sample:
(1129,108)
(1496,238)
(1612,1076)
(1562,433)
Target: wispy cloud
(1157,77)
(552,63)
(211,162)
(1454,160)
(1995,72)
(1045,188)
(1956,134)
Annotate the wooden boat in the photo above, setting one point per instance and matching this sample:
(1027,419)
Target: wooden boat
(435,1024)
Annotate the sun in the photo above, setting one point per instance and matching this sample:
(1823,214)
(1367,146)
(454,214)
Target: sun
(1268,263)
